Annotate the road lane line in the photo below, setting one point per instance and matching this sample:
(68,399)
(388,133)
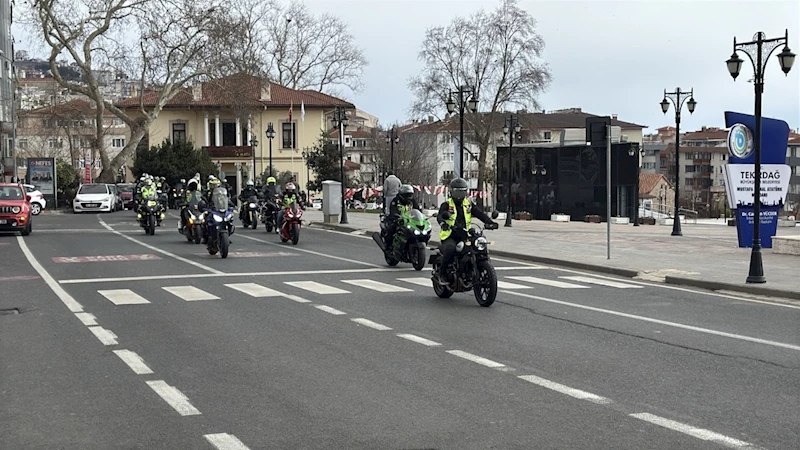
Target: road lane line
(371,324)
(699,433)
(418,340)
(476,359)
(317,288)
(520,267)
(173,397)
(660,322)
(134,361)
(107,337)
(254,290)
(418,281)
(163,252)
(225,441)
(311,252)
(507,285)
(602,282)
(62,295)
(546,282)
(189,293)
(296,298)
(330,310)
(376,286)
(123,297)
(572,392)
(86,318)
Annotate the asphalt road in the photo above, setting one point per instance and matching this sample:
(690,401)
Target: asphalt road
(110,339)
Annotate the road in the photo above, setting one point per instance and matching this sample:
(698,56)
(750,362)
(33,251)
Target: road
(110,339)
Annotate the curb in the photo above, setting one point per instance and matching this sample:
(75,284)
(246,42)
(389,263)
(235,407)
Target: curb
(627,273)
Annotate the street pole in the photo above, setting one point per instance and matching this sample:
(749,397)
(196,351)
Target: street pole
(608,191)
(472,105)
(678,97)
(340,116)
(511,127)
(270,136)
(636,193)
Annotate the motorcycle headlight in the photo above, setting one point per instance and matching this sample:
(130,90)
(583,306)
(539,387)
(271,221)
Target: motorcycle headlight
(16,210)
(480,243)
(416,232)
(217,218)
(252,205)
(151,203)
(229,216)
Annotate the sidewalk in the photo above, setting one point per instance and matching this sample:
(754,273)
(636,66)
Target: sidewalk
(706,256)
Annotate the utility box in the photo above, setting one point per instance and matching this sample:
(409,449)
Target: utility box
(331,201)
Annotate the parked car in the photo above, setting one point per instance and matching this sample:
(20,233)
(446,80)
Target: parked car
(117,198)
(316,203)
(38,202)
(94,197)
(15,209)
(126,194)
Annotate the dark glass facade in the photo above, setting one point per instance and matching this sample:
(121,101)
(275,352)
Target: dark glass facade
(567,180)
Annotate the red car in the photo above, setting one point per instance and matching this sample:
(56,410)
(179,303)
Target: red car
(15,209)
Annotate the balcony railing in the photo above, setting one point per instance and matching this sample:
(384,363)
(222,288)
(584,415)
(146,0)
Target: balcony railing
(229,151)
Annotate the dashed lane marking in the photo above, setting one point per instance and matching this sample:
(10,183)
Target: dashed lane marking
(476,359)
(419,340)
(699,433)
(86,318)
(371,324)
(572,392)
(106,337)
(173,397)
(134,361)
(225,441)
(330,310)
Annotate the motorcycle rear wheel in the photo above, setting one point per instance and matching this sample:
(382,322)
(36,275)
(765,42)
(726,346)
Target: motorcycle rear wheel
(441,291)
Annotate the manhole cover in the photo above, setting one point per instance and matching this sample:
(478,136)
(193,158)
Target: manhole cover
(9,311)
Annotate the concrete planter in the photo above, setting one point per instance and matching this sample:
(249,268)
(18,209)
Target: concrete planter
(592,219)
(787,223)
(559,218)
(647,220)
(620,220)
(786,245)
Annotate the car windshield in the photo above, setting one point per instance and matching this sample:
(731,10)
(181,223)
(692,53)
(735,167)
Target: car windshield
(10,193)
(93,189)
(125,187)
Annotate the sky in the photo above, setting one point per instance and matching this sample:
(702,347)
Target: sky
(606,57)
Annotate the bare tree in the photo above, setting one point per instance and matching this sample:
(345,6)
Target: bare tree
(170,51)
(414,156)
(497,53)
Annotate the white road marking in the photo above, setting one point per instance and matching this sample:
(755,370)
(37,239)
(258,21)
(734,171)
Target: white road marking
(311,252)
(189,293)
(507,285)
(107,337)
(330,310)
(134,361)
(296,298)
(232,275)
(602,282)
(317,288)
(418,281)
(86,318)
(476,359)
(163,252)
(418,340)
(123,297)
(699,433)
(531,265)
(62,295)
(576,393)
(546,282)
(254,290)
(225,441)
(376,286)
(660,322)
(371,324)
(521,267)
(173,397)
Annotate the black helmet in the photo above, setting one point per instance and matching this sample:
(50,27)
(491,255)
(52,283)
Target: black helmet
(458,188)
(406,193)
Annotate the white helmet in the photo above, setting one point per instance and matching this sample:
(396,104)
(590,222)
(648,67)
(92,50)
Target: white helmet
(250,183)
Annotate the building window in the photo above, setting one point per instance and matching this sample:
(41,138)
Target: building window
(178,132)
(22,144)
(547,135)
(118,142)
(55,143)
(289,135)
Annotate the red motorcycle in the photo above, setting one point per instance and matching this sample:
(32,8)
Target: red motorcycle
(292,220)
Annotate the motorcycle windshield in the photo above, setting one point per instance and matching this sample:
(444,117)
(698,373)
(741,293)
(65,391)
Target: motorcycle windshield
(220,199)
(293,208)
(194,198)
(252,199)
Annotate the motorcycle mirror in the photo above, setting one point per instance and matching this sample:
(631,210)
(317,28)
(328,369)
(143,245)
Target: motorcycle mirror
(495,214)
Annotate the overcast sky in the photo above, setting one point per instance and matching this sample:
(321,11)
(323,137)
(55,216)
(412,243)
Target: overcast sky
(606,57)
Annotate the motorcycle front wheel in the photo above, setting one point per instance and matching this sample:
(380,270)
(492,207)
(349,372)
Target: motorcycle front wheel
(196,233)
(151,225)
(295,234)
(223,245)
(418,258)
(486,286)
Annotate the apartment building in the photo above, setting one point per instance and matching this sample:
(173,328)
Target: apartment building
(7,107)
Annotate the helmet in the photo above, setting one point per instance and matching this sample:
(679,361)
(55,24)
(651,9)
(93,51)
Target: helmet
(250,183)
(214,183)
(271,180)
(211,177)
(406,193)
(289,188)
(148,182)
(389,172)
(458,188)
(192,184)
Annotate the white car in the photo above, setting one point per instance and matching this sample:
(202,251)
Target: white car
(38,202)
(316,203)
(94,197)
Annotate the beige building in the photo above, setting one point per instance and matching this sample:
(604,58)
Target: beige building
(223,116)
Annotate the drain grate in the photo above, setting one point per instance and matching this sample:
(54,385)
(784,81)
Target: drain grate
(9,311)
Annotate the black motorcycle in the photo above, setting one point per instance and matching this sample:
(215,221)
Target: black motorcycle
(269,214)
(471,269)
(150,215)
(250,212)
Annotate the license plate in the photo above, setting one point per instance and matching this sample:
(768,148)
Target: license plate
(3,221)
(92,205)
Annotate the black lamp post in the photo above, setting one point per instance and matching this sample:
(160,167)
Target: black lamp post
(678,98)
(391,139)
(270,135)
(307,155)
(254,144)
(463,104)
(632,152)
(511,124)
(340,119)
(759,50)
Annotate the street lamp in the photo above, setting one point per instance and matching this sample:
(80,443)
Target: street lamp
(678,97)
(511,124)
(391,139)
(632,152)
(307,155)
(340,120)
(270,134)
(254,143)
(463,105)
(755,50)
(538,170)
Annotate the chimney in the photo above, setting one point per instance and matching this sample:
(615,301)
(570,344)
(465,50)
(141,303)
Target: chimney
(266,91)
(614,116)
(197,92)
(430,119)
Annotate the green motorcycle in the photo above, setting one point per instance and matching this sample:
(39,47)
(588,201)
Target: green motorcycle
(410,239)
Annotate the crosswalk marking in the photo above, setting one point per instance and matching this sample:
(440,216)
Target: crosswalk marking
(602,282)
(317,288)
(376,286)
(254,290)
(507,285)
(225,441)
(123,297)
(190,293)
(418,281)
(546,282)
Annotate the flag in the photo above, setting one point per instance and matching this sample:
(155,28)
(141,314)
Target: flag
(302,111)
(291,107)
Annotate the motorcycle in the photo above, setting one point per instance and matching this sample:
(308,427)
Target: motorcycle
(471,268)
(410,239)
(194,219)
(269,214)
(150,215)
(250,216)
(219,223)
(292,220)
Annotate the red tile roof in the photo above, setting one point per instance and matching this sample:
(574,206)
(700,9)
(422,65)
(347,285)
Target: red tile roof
(649,181)
(350,165)
(241,90)
(702,135)
(794,140)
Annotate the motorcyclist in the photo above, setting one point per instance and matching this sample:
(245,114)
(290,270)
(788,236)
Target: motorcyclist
(391,186)
(211,183)
(288,197)
(270,191)
(404,199)
(248,191)
(148,192)
(455,218)
(192,197)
